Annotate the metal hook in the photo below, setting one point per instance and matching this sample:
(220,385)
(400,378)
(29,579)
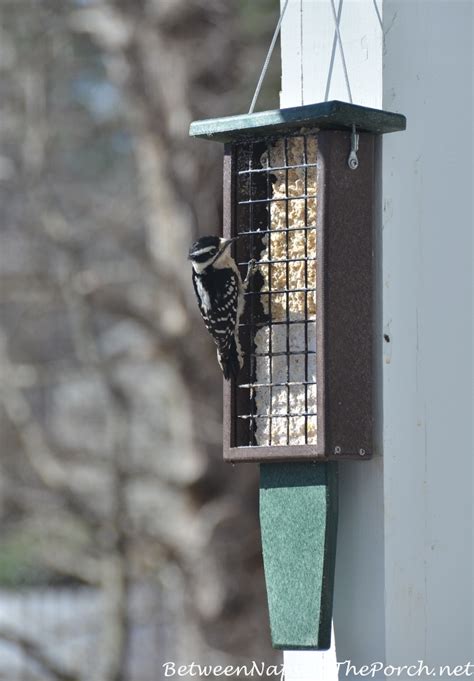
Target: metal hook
(353,161)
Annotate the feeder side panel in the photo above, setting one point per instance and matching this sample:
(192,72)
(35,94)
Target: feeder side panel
(348,295)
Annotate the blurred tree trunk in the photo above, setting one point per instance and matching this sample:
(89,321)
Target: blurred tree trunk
(112,393)
(174,60)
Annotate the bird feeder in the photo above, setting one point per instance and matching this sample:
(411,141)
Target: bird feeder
(300,192)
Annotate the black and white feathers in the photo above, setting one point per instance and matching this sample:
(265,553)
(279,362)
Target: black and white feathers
(220,295)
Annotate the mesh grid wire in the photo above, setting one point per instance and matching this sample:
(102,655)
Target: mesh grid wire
(275,395)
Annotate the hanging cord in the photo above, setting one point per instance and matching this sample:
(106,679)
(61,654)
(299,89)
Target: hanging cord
(267,59)
(341,50)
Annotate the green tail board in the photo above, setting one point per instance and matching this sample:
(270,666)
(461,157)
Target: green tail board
(298,518)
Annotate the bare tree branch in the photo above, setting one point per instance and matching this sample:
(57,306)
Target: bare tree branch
(42,459)
(36,654)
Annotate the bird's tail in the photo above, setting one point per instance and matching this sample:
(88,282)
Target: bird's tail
(229,360)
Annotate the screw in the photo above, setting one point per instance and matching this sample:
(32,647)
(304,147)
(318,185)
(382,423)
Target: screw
(362,452)
(353,161)
(337,450)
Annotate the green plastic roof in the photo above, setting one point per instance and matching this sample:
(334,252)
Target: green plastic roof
(333,115)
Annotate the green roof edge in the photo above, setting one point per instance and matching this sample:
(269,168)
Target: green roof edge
(334,114)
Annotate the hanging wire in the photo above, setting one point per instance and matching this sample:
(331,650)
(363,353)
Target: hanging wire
(341,50)
(377,11)
(333,55)
(301,53)
(338,39)
(267,59)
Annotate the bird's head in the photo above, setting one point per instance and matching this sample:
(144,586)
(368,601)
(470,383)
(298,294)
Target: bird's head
(208,250)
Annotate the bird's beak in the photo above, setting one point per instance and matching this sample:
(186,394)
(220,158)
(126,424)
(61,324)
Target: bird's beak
(227,242)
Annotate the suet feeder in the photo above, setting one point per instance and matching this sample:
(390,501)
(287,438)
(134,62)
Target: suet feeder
(300,191)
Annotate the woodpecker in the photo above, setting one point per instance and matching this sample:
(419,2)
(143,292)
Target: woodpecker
(220,293)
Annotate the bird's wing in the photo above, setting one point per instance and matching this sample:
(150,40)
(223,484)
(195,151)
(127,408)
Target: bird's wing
(217,296)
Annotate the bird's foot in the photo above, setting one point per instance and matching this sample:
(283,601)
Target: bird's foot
(251,269)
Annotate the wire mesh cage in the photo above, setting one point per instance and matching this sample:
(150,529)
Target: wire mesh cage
(275,394)
(307,219)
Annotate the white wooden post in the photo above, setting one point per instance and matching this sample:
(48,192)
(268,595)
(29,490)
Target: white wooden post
(428,453)
(404,576)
